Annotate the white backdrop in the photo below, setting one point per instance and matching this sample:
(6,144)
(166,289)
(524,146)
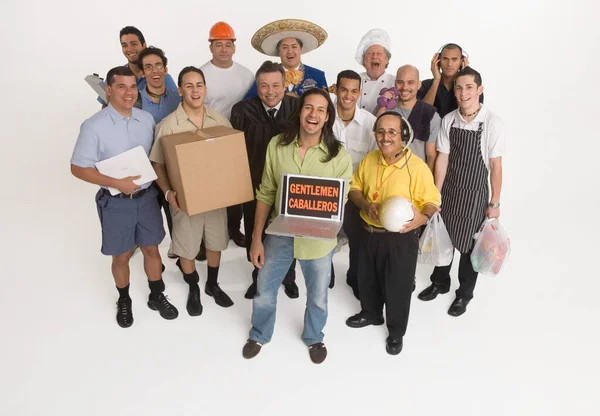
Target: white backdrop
(538,60)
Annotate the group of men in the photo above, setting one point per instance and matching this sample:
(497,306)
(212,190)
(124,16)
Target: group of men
(292,125)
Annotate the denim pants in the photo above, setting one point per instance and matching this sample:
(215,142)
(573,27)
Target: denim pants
(279,254)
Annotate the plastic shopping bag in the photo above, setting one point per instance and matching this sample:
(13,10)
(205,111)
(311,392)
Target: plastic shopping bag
(492,247)
(435,246)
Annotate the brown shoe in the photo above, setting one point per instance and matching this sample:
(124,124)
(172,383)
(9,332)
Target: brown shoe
(318,352)
(251,349)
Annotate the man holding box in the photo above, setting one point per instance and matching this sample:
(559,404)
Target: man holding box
(188,231)
(133,216)
(388,260)
(308,147)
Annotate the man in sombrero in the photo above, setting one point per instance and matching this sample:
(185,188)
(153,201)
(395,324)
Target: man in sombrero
(290,39)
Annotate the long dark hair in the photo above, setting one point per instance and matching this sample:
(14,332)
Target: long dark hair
(333,145)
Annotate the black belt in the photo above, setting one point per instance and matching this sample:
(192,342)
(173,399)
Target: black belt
(370,229)
(132,196)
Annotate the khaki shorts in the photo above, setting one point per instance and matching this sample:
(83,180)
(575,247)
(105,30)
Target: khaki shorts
(188,232)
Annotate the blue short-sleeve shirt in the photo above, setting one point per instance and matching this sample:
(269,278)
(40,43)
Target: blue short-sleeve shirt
(167,104)
(107,133)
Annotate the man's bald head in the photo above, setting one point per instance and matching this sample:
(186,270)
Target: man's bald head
(407,83)
(409,68)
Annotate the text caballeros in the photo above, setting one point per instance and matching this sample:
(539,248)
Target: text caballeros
(313,205)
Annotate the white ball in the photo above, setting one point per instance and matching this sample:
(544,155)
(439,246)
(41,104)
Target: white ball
(395,212)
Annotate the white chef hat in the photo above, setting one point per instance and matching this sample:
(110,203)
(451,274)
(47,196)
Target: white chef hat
(372,37)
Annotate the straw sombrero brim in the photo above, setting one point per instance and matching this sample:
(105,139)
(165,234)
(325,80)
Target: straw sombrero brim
(266,38)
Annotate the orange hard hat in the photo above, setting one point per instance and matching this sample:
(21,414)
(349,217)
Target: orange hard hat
(221,30)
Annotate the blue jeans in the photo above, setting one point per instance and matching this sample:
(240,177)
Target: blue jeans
(279,253)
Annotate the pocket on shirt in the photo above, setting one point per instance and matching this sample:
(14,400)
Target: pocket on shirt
(359,146)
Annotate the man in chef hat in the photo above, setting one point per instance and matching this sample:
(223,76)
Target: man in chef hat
(289,39)
(374,54)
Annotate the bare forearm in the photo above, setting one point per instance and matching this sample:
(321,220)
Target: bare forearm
(431,156)
(260,218)
(496,179)
(91,175)
(431,94)
(162,178)
(359,200)
(441,166)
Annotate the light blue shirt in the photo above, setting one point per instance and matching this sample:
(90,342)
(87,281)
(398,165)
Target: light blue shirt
(108,133)
(168,103)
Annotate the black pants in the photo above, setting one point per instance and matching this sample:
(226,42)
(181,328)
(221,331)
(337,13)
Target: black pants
(165,206)
(234,218)
(386,270)
(249,209)
(353,229)
(467,277)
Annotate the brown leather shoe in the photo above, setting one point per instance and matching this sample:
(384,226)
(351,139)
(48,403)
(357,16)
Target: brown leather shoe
(318,352)
(251,349)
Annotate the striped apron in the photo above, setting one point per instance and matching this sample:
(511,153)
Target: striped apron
(465,192)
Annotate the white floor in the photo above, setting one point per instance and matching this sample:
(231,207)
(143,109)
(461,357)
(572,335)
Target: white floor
(521,348)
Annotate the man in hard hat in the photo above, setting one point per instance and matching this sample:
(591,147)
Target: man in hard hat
(388,260)
(374,54)
(228,82)
(290,39)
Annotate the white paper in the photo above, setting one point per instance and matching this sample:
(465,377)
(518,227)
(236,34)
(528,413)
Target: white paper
(97,85)
(133,162)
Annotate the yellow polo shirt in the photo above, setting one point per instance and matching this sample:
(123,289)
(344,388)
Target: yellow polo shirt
(412,180)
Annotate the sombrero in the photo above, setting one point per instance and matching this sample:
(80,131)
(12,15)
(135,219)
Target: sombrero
(266,38)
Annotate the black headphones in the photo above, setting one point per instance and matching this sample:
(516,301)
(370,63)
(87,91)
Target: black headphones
(406,131)
(463,54)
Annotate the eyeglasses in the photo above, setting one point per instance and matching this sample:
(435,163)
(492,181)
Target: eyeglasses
(380,133)
(158,67)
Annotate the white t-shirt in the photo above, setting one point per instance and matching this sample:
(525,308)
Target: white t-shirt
(371,88)
(493,136)
(357,136)
(226,86)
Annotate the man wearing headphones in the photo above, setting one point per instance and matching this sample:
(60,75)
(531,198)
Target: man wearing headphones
(445,66)
(388,260)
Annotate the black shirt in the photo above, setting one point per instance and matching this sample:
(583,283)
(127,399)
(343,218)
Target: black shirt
(251,117)
(445,101)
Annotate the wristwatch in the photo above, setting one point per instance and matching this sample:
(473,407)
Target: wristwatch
(494,205)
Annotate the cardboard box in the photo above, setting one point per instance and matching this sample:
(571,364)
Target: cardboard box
(208,169)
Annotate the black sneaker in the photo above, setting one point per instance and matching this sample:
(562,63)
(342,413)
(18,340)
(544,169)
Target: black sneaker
(164,307)
(221,298)
(124,314)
